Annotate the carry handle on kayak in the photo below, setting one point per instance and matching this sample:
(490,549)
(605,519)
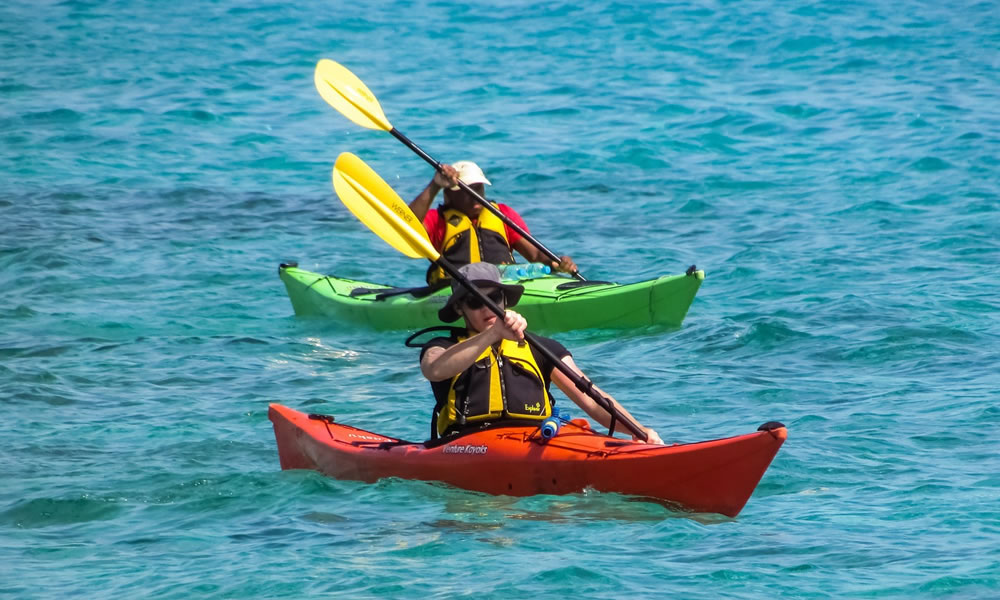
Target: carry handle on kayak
(381,209)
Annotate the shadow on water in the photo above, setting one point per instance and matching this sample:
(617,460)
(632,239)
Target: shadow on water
(473,511)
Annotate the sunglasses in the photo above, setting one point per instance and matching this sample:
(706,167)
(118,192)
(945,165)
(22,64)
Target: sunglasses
(474,303)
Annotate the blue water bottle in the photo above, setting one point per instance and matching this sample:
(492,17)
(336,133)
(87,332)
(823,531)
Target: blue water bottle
(520,271)
(508,271)
(550,426)
(533,270)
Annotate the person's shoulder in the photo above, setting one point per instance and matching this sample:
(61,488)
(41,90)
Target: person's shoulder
(434,215)
(506,209)
(438,342)
(514,216)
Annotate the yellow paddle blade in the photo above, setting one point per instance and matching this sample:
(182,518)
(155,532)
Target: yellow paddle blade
(344,91)
(380,208)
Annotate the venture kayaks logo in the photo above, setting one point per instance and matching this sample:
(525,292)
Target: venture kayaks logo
(465,449)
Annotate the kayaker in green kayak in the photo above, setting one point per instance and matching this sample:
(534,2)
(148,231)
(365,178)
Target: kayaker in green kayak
(465,233)
(485,373)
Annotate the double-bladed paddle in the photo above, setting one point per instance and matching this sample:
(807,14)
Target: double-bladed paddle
(381,209)
(351,97)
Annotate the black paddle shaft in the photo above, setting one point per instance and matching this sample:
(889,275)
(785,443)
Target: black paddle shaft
(483,201)
(582,383)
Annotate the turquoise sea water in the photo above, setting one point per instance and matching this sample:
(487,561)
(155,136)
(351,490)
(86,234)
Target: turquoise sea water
(834,167)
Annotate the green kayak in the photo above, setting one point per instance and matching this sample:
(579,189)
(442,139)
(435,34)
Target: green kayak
(550,303)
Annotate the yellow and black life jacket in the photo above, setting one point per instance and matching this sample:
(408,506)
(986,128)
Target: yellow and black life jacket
(500,385)
(465,242)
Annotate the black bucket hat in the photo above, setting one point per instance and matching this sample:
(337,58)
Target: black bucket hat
(484,276)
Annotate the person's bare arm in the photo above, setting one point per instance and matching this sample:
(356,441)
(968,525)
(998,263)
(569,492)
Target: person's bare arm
(439,363)
(590,406)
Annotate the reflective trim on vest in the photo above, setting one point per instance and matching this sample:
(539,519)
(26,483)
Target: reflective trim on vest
(465,243)
(483,393)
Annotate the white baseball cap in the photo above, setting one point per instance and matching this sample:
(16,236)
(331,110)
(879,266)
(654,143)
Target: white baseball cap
(470,173)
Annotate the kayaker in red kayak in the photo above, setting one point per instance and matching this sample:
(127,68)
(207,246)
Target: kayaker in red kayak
(485,373)
(465,233)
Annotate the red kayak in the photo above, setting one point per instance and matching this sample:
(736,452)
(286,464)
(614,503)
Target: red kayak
(715,476)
